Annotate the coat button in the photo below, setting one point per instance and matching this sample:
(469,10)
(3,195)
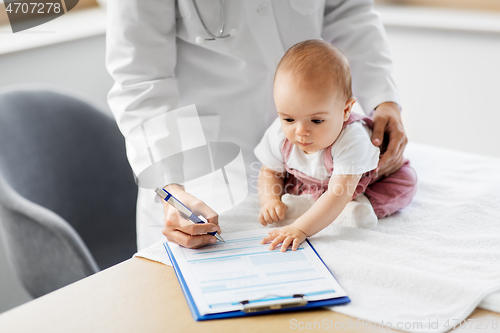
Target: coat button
(262,9)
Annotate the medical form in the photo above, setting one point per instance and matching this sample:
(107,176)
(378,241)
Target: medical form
(223,275)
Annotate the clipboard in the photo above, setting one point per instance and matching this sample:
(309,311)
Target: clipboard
(252,307)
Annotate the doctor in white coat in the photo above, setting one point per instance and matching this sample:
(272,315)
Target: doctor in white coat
(155,56)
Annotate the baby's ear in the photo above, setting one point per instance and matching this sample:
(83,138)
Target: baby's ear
(348,107)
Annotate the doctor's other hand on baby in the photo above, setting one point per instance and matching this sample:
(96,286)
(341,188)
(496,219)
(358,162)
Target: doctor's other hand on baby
(182,231)
(389,135)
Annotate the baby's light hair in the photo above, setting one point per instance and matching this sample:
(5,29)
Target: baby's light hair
(313,62)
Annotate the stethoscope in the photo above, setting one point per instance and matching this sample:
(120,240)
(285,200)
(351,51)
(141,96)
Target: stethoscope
(221,35)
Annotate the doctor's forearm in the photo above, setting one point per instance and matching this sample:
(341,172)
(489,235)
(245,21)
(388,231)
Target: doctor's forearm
(141,58)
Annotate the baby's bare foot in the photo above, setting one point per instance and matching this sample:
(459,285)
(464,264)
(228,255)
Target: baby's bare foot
(358,213)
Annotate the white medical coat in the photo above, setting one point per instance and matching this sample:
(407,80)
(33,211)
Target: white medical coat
(158,67)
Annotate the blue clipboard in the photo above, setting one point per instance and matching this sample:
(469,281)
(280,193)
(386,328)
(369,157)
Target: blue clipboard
(232,314)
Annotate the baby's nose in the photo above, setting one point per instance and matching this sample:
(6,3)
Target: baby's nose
(302,130)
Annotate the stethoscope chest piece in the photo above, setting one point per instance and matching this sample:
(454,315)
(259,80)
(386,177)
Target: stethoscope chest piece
(199,39)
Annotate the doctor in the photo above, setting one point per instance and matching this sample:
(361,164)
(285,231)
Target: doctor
(162,56)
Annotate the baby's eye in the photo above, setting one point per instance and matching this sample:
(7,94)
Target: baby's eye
(317,121)
(288,120)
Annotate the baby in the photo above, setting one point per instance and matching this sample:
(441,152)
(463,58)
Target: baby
(318,149)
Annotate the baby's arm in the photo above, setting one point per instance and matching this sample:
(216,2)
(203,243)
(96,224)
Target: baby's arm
(324,211)
(270,187)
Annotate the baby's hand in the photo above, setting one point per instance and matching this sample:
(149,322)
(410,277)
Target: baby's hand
(272,211)
(286,235)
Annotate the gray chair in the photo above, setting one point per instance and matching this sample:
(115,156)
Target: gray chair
(67,193)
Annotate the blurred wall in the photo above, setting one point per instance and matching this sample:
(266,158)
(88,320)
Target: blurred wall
(486,5)
(449,82)
(77,65)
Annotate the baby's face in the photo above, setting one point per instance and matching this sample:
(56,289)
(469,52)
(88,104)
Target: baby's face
(311,119)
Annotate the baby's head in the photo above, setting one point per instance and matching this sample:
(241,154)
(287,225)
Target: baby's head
(312,93)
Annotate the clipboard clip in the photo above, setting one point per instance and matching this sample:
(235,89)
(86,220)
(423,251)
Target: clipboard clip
(297,300)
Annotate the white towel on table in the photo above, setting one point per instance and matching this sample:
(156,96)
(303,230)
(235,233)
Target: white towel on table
(433,262)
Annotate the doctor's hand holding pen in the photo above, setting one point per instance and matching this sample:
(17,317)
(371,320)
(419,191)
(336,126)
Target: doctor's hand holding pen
(182,231)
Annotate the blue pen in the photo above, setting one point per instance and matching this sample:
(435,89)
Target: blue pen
(174,202)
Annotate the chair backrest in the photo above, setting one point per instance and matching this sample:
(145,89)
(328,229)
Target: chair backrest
(62,153)
(44,250)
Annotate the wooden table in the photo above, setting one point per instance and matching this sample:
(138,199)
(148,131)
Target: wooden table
(139,295)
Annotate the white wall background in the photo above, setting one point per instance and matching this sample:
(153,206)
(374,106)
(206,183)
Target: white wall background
(77,65)
(449,83)
(450,86)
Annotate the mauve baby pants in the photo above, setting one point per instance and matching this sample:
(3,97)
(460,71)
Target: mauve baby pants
(389,194)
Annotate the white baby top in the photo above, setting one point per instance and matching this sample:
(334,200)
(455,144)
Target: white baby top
(352,153)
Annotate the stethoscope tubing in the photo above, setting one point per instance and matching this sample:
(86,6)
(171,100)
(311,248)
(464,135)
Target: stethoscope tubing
(221,32)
